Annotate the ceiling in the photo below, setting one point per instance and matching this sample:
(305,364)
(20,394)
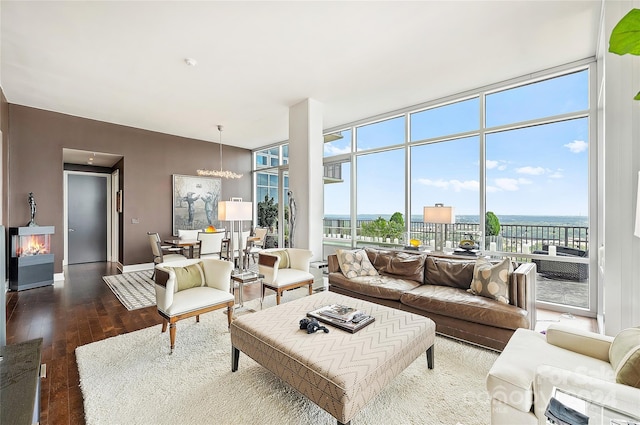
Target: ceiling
(124,62)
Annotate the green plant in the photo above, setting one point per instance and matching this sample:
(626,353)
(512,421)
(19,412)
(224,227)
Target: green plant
(392,229)
(491,224)
(267,212)
(625,37)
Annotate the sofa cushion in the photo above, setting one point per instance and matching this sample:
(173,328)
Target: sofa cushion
(458,303)
(624,355)
(492,280)
(354,263)
(187,277)
(381,286)
(448,272)
(400,264)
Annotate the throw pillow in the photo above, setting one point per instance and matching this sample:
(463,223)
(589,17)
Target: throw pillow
(283,256)
(190,276)
(354,263)
(491,280)
(624,355)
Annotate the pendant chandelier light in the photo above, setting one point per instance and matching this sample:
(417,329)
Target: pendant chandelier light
(219,173)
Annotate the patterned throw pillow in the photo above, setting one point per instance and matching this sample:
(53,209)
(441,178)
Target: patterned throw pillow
(355,263)
(190,276)
(491,280)
(624,355)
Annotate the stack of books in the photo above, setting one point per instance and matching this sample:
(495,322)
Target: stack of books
(342,316)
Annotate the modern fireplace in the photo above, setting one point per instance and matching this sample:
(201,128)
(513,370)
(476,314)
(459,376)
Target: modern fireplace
(31,260)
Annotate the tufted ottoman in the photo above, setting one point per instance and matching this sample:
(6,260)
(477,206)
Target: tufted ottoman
(339,371)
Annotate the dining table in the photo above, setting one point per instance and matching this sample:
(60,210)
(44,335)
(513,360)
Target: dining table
(188,245)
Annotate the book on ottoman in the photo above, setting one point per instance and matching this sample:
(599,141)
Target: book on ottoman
(343,317)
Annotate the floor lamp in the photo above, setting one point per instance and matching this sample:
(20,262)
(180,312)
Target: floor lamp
(232,211)
(439,214)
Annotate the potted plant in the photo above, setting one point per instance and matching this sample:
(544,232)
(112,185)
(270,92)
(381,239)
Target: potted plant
(492,229)
(625,37)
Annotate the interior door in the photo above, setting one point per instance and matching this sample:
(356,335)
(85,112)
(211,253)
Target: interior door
(87,218)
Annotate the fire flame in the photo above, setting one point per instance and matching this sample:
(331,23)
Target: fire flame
(34,245)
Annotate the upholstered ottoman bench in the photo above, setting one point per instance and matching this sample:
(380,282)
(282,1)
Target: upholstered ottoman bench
(339,371)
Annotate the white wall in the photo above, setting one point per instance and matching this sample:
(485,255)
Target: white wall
(620,280)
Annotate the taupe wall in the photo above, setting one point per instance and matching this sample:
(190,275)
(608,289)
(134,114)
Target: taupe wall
(4,127)
(37,137)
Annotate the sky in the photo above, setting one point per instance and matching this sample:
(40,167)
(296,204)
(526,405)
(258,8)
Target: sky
(536,170)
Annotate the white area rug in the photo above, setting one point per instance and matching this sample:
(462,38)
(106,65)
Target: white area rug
(132,379)
(134,290)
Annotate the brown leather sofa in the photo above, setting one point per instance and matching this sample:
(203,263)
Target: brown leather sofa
(436,287)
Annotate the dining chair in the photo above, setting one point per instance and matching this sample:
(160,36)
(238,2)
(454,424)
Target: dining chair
(162,253)
(210,244)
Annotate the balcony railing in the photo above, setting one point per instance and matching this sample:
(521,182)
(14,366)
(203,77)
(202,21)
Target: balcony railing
(512,238)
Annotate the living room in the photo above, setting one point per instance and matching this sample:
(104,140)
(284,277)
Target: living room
(36,131)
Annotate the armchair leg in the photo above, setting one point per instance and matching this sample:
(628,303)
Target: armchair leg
(229,313)
(198,318)
(164,325)
(311,288)
(278,295)
(172,336)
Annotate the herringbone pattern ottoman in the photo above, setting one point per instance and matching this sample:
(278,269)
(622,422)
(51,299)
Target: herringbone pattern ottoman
(339,371)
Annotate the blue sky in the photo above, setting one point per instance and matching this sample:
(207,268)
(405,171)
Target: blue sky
(539,170)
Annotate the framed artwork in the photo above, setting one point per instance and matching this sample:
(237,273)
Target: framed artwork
(195,202)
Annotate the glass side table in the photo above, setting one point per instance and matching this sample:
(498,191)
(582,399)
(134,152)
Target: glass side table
(240,279)
(598,414)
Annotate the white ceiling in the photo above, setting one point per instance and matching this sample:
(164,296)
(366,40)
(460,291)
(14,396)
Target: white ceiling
(123,62)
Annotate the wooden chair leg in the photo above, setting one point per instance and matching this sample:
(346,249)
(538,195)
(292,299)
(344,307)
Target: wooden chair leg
(164,325)
(229,313)
(198,318)
(311,288)
(278,295)
(172,335)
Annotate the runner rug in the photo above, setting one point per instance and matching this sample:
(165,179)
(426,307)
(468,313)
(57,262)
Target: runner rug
(132,379)
(134,290)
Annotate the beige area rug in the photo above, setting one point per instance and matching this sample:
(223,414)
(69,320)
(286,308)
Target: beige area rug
(134,290)
(132,379)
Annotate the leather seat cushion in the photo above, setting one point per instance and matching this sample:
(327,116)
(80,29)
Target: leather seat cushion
(459,303)
(385,287)
(289,276)
(510,379)
(197,298)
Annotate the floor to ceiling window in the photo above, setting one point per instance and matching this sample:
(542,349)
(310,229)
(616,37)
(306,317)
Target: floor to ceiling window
(516,154)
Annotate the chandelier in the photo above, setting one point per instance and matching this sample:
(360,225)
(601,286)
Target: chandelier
(219,173)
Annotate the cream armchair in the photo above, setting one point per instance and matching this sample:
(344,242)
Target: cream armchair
(284,269)
(532,365)
(190,288)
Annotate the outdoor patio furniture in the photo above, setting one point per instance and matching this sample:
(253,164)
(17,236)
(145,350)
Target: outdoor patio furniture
(562,270)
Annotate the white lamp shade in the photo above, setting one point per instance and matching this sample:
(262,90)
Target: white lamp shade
(235,211)
(439,214)
(637,230)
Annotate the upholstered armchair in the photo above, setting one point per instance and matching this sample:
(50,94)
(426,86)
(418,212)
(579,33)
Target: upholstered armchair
(594,367)
(163,253)
(284,269)
(190,288)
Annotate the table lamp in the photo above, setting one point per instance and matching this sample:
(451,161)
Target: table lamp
(439,215)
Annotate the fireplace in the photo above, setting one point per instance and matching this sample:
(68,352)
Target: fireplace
(31,260)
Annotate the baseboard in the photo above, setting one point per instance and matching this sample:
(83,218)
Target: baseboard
(136,267)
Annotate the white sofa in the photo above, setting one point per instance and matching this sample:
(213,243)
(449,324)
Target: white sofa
(523,378)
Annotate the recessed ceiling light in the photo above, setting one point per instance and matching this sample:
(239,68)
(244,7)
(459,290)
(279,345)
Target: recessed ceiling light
(190,61)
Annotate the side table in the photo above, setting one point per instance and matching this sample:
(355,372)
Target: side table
(242,278)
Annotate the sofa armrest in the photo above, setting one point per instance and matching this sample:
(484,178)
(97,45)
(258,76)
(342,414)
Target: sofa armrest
(523,290)
(579,341)
(268,266)
(334,266)
(619,397)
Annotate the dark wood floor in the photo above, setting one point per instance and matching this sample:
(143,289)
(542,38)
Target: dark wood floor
(66,315)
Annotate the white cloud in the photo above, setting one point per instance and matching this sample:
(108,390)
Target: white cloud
(330,150)
(556,175)
(455,185)
(532,171)
(498,165)
(491,164)
(577,146)
(510,185)
(524,181)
